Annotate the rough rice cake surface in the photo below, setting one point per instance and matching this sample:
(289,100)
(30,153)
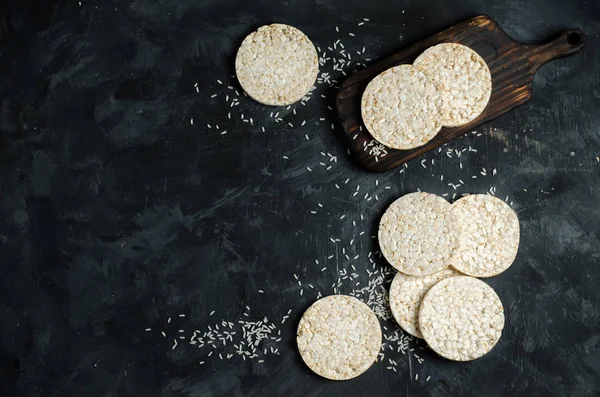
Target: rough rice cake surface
(406,294)
(461,318)
(399,108)
(277,65)
(462,78)
(415,236)
(488,235)
(339,337)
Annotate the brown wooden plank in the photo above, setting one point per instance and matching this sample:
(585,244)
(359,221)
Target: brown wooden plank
(512,66)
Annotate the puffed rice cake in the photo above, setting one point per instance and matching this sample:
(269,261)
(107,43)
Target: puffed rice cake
(488,235)
(461,318)
(399,108)
(277,65)
(339,337)
(462,78)
(415,235)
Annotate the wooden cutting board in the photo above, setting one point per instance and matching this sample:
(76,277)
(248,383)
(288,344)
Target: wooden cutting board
(512,65)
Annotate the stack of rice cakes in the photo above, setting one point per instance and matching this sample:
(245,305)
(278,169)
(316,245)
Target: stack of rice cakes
(439,250)
(448,85)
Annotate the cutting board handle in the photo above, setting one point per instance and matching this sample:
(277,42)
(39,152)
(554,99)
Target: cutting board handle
(567,43)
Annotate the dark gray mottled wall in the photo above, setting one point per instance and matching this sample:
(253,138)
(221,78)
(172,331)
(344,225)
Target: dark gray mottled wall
(117,213)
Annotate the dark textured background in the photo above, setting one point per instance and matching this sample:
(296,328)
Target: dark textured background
(117,213)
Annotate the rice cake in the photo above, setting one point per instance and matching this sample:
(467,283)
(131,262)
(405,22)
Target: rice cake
(487,235)
(406,294)
(462,78)
(399,108)
(339,337)
(415,235)
(277,65)
(461,318)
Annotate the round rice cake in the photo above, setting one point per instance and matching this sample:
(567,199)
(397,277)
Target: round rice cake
(461,318)
(406,294)
(339,337)
(277,65)
(399,108)
(463,79)
(415,236)
(488,235)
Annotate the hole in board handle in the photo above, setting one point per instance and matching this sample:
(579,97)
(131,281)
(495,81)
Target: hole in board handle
(573,38)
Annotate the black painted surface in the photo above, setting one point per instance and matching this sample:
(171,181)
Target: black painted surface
(117,213)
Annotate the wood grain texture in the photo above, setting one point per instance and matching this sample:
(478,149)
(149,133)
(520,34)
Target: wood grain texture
(512,66)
